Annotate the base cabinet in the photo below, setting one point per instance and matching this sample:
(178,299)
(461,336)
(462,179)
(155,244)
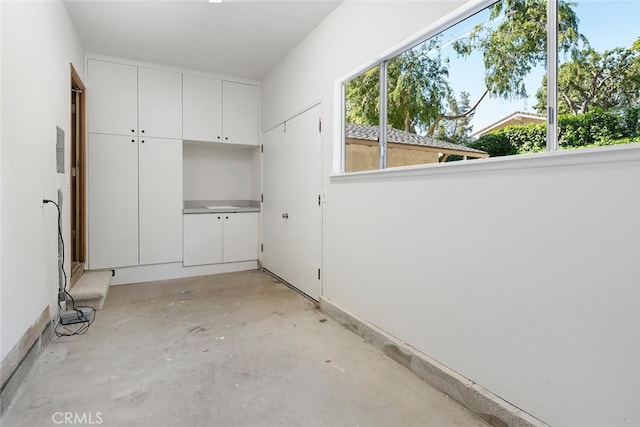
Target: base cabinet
(214,238)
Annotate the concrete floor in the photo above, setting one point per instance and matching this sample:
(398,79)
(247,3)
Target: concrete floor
(237,349)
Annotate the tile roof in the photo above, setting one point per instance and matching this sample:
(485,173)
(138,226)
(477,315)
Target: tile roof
(370,133)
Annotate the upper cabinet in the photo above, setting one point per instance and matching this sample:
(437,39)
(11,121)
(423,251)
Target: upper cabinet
(202,108)
(159,103)
(240,113)
(219,111)
(113,98)
(129,100)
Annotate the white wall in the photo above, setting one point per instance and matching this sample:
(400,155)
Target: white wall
(219,172)
(521,274)
(38,44)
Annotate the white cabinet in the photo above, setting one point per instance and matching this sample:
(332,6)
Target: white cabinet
(240,237)
(240,113)
(159,103)
(112,97)
(202,108)
(214,238)
(129,100)
(160,200)
(202,239)
(112,200)
(135,200)
(219,111)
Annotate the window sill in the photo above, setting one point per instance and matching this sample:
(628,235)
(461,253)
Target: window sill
(586,156)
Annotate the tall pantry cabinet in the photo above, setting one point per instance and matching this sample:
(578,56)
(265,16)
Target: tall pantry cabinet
(134,165)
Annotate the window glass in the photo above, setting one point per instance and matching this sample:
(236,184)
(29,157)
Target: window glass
(362,120)
(599,78)
(466,92)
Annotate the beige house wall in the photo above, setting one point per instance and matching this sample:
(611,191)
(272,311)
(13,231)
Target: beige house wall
(362,157)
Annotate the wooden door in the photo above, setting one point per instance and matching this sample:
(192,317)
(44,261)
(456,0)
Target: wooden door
(78,172)
(292,206)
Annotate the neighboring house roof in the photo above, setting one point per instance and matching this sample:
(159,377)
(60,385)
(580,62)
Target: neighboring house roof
(370,133)
(515,118)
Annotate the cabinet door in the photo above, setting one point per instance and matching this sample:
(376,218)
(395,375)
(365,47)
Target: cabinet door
(202,239)
(112,201)
(159,103)
(240,113)
(160,200)
(112,98)
(201,108)
(240,237)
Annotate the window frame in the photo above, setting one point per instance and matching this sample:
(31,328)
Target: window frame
(432,30)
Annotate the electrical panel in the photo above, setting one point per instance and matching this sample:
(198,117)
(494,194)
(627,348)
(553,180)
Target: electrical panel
(59,150)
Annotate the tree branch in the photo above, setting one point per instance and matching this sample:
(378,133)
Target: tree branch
(441,117)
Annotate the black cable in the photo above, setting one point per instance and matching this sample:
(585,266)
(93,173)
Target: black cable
(83,322)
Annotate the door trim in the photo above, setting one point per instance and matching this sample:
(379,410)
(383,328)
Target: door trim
(79,253)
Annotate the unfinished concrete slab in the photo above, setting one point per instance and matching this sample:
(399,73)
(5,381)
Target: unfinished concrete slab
(238,349)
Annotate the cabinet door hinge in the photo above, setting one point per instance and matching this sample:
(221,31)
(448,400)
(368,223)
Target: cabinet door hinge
(262,198)
(320,124)
(318,274)
(73,171)
(318,199)
(261,247)
(285,127)
(262,148)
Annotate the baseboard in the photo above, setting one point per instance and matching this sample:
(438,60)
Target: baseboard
(17,364)
(491,408)
(155,272)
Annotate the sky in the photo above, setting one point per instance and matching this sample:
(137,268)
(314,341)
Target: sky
(606,24)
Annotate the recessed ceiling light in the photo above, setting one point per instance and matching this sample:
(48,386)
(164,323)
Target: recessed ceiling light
(214,1)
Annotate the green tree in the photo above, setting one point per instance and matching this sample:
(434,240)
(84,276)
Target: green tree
(512,41)
(608,80)
(416,86)
(456,130)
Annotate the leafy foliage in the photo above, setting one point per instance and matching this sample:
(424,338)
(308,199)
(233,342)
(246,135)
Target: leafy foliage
(514,41)
(608,80)
(593,129)
(457,130)
(417,86)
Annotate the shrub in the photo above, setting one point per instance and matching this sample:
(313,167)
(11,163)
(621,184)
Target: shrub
(593,129)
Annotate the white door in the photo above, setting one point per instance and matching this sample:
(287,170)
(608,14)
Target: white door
(112,200)
(159,103)
(112,98)
(160,200)
(240,236)
(240,113)
(292,209)
(201,108)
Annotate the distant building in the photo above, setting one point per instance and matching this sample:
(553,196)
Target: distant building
(513,119)
(403,148)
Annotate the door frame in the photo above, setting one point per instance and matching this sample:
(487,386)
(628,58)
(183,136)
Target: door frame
(78,150)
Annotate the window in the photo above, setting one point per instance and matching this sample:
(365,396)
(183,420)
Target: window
(599,80)
(478,88)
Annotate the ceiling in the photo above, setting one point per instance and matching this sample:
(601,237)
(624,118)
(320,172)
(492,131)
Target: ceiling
(244,38)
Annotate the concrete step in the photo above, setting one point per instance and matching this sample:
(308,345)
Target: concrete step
(91,289)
